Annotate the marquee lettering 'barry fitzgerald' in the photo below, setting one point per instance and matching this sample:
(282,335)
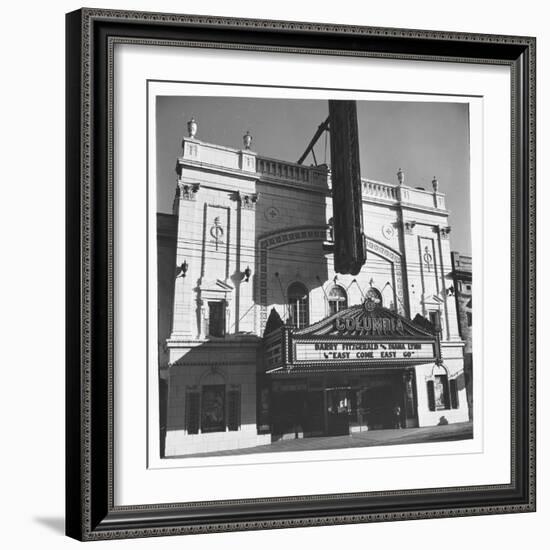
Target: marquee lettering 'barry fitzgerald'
(301,302)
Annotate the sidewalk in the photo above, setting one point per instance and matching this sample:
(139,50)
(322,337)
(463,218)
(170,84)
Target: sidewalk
(450,432)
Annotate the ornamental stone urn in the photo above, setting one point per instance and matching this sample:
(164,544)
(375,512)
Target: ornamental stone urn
(400,176)
(247,140)
(192,127)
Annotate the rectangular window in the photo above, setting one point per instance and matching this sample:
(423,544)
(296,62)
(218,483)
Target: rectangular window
(469,317)
(434,319)
(192,408)
(216,318)
(234,409)
(213,409)
(299,312)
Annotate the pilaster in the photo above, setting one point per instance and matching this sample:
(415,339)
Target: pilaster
(187,264)
(246,261)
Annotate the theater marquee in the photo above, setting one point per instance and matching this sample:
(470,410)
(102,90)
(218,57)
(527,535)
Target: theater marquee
(359,335)
(360,351)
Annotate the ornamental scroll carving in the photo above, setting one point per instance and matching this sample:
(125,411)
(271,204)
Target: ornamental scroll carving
(188,191)
(247,200)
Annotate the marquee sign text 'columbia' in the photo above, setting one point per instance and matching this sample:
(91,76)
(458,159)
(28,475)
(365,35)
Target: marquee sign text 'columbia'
(363,351)
(372,325)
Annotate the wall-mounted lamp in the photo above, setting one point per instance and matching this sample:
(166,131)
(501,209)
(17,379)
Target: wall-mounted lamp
(183,268)
(247,272)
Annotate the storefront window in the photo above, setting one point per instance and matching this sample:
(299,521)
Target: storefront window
(299,306)
(337,299)
(213,409)
(438,393)
(441,392)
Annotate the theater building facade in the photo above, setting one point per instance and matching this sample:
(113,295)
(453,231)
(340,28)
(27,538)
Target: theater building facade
(259,337)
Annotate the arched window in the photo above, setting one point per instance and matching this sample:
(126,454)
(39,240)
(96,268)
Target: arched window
(299,306)
(337,299)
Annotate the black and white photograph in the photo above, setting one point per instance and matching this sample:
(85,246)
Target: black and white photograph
(314,274)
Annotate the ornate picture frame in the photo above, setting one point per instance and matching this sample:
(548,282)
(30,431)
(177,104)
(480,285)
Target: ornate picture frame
(91,365)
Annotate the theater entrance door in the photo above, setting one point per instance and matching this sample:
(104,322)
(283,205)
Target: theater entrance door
(339,407)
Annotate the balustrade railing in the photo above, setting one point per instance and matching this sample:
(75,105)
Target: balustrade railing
(379,190)
(314,176)
(288,170)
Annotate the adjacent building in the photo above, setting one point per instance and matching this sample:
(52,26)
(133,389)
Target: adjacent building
(462,289)
(260,338)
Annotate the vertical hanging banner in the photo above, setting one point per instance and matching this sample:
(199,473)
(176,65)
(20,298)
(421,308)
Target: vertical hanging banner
(349,244)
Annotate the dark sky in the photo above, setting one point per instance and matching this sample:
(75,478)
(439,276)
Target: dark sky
(424,139)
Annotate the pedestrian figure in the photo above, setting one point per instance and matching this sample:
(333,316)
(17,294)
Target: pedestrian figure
(397,416)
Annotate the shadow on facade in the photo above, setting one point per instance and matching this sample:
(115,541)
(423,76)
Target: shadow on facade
(212,389)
